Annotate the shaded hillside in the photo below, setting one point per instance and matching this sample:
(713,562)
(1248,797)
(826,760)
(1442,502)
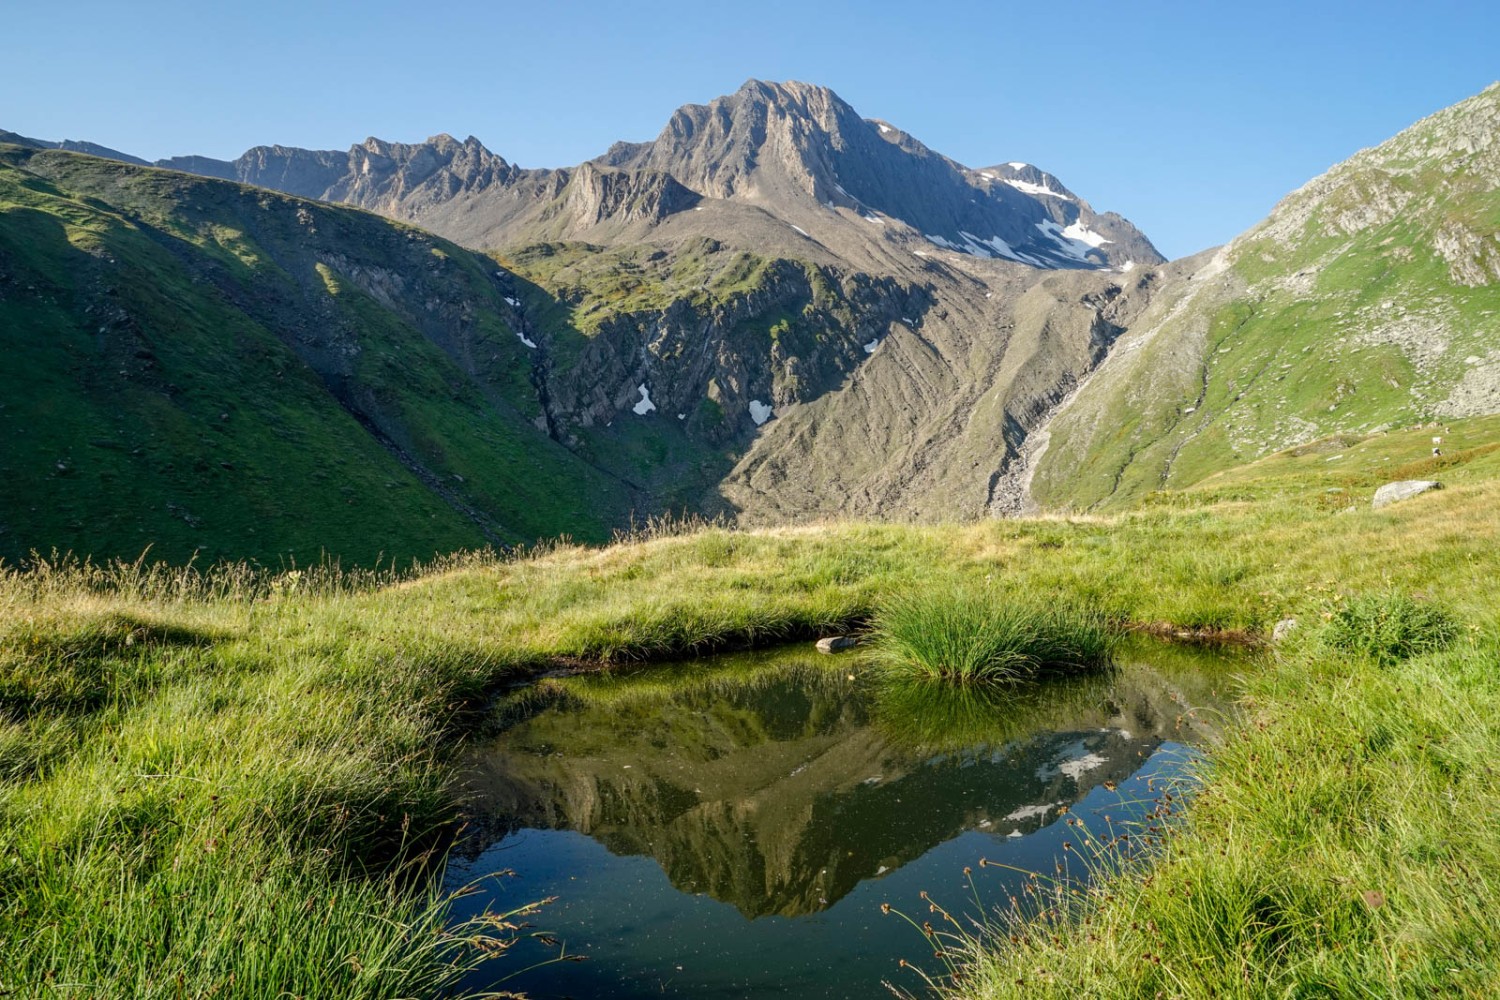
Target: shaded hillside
(204,367)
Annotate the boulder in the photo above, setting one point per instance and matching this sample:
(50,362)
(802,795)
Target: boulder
(837,643)
(1392,492)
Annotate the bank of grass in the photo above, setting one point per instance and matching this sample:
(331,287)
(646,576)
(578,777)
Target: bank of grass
(1338,847)
(229,784)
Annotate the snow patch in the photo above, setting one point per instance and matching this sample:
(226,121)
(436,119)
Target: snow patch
(1127,267)
(682,416)
(1076,768)
(645,405)
(1004,249)
(975,247)
(986,174)
(526,340)
(1030,188)
(1078,231)
(800,230)
(761,412)
(883,128)
(877,221)
(870,347)
(1075,241)
(513,303)
(1013,834)
(1016,165)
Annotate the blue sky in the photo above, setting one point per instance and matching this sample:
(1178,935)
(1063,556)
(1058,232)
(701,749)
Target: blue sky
(1191,119)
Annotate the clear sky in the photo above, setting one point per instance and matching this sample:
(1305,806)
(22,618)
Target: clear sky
(1191,119)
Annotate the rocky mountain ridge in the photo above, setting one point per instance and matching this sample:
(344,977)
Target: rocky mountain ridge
(793,151)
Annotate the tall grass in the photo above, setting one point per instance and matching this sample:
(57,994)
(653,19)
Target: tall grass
(967,636)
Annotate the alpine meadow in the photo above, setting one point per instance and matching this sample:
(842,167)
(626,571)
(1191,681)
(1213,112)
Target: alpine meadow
(770,559)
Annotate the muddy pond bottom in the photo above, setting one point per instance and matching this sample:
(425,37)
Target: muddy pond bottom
(730,827)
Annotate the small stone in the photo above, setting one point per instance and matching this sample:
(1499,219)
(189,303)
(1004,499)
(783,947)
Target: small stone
(837,643)
(1282,629)
(1405,489)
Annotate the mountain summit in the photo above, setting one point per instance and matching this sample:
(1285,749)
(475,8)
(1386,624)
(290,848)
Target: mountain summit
(794,145)
(784,167)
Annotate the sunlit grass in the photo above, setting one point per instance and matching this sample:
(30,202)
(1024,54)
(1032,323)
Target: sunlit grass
(189,756)
(1331,850)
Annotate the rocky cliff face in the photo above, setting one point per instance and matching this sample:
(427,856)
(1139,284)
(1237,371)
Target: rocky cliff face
(794,148)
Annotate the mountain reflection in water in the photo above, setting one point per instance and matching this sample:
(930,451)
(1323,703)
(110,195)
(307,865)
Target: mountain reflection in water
(779,783)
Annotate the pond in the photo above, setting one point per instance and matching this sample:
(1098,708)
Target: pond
(730,827)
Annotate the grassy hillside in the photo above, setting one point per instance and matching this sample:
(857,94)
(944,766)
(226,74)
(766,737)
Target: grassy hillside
(1368,299)
(206,368)
(214,784)
(216,369)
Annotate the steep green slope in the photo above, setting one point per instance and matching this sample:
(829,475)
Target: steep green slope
(203,367)
(1370,298)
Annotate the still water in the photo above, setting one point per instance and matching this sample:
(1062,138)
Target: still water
(730,827)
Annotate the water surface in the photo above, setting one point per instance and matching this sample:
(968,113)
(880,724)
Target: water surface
(730,827)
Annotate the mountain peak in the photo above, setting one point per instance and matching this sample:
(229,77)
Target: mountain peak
(788,89)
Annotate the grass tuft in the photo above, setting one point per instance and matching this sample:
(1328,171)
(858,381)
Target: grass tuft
(967,636)
(1389,626)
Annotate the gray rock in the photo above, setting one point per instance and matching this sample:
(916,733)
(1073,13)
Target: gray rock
(1392,492)
(1282,629)
(837,643)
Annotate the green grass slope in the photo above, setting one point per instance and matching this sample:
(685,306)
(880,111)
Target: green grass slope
(1370,298)
(210,786)
(201,367)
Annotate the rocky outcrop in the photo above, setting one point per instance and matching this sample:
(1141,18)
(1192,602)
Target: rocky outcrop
(1404,490)
(597,195)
